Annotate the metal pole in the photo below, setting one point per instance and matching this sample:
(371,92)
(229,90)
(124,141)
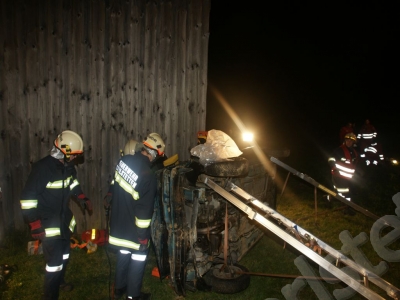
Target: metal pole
(315,205)
(284,185)
(316,184)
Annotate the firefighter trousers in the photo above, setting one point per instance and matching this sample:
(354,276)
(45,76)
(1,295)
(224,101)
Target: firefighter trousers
(56,255)
(130,270)
(343,187)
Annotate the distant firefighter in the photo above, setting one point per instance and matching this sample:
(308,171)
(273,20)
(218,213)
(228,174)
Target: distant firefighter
(343,163)
(348,128)
(369,147)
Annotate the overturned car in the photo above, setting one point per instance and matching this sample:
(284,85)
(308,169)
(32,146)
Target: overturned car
(196,233)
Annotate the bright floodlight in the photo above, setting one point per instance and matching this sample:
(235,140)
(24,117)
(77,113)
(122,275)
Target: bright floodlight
(247,137)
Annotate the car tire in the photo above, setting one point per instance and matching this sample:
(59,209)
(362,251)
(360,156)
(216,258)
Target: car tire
(234,167)
(223,283)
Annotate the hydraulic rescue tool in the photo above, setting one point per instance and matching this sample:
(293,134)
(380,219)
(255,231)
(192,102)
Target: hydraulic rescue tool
(302,240)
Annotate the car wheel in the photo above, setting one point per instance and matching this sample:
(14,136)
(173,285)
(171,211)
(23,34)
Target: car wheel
(227,280)
(234,167)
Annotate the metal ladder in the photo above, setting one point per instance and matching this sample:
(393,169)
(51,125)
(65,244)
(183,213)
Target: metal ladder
(293,231)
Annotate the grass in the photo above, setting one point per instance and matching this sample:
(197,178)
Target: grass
(271,261)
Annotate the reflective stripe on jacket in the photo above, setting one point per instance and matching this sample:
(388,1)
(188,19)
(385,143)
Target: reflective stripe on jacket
(133,192)
(46,196)
(343,161)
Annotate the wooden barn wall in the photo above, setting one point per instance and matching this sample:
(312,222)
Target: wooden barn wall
(109,70)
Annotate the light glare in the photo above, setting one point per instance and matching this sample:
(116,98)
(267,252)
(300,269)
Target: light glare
(247,137)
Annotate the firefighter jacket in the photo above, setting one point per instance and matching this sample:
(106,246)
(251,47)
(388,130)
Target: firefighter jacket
(371,150)
(343,162)
(367,132)
(46,195)
(133,196)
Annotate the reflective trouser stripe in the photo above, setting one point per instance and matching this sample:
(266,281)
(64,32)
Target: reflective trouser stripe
(139,257)
(72,224)
(52,231)
(28,204)
(344,196)
(123,243)
(65,256)
(343,190)
(54,269)
(141,223)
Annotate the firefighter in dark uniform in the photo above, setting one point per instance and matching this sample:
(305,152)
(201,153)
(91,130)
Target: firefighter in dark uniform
(343,165)
(370,148)
(45,206)
(348,128)
(133,195)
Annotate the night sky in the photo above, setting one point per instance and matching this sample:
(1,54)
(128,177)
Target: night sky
(296,73)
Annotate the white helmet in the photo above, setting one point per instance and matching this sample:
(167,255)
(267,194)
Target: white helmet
(155,142)
(69,142)
(132,146)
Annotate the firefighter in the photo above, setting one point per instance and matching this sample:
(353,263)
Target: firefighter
(345,130)
(133,196)
(158,162)
(131,147)
(371,152)
(343,163)
(45,206)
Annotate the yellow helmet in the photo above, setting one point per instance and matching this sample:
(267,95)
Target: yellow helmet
(155,142)
(132,146)
(351,136)
(69,142)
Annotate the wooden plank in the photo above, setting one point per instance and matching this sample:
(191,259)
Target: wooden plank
(181,69)
(54,42)
(109,70)
(3,120)
(8,91)
(44,101)
(135,74)
(66,65)
(98,179)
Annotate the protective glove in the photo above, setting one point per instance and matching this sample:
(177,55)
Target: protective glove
(88,205)
(37,230)
(144,245)
(85,203)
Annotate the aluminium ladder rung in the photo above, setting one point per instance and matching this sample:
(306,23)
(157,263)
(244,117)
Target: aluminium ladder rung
(367,274)
(364,290)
